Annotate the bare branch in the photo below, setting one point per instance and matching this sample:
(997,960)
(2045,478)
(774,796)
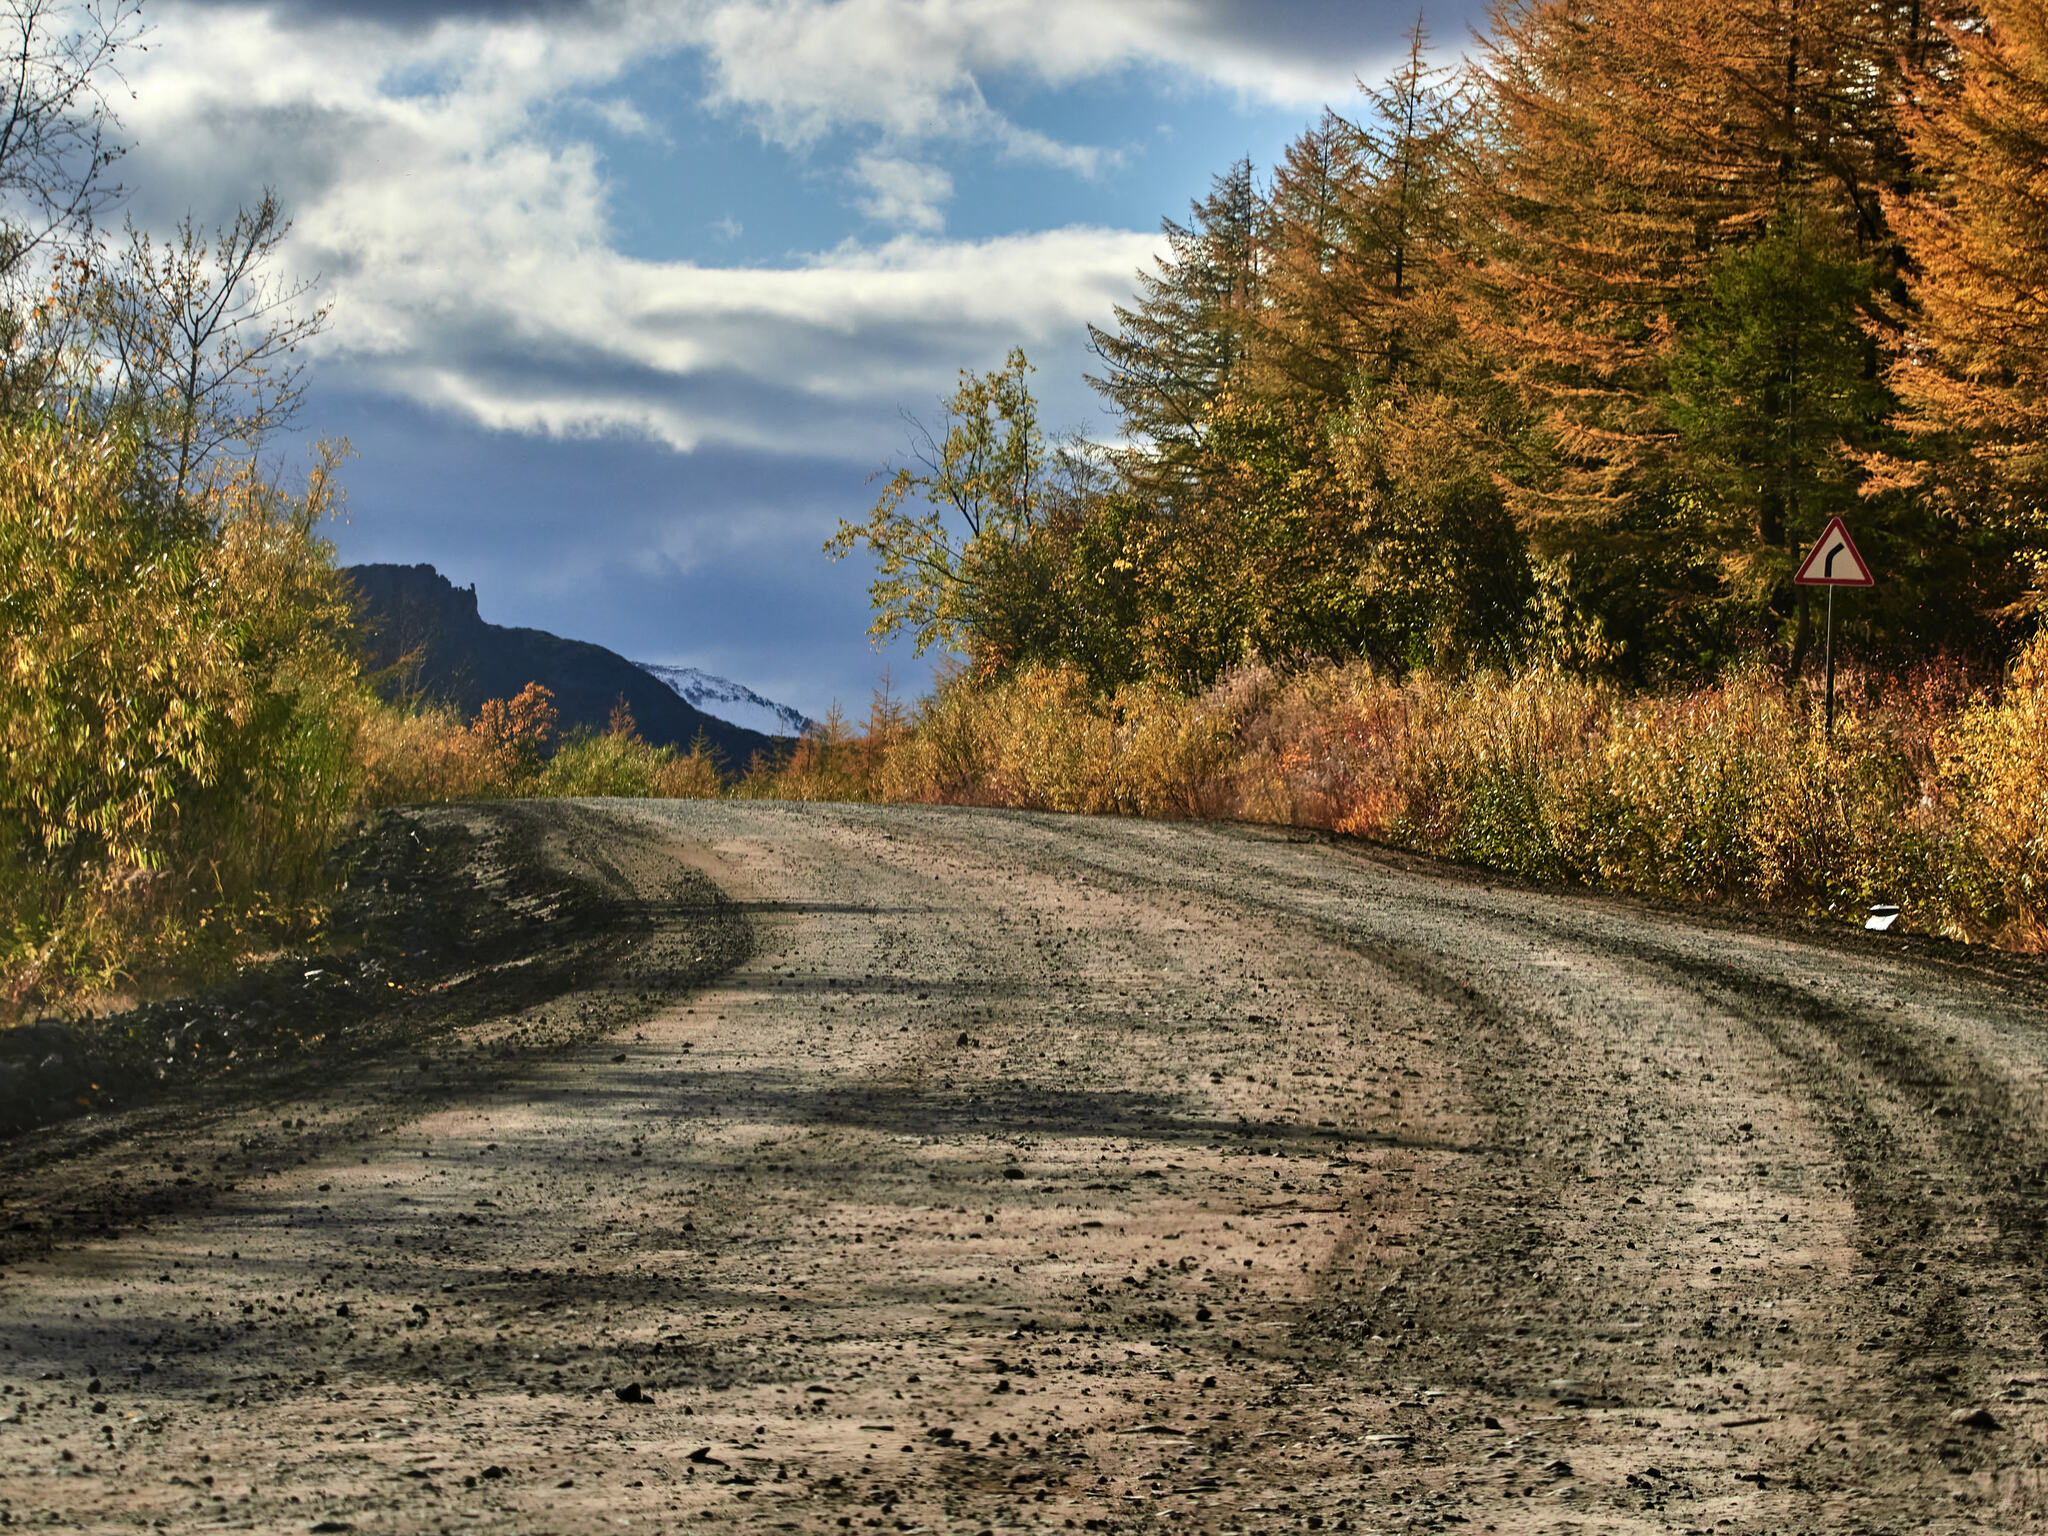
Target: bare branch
(57,127)
(199,339)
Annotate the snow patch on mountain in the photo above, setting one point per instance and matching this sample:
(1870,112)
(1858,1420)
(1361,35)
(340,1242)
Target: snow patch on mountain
(735,704)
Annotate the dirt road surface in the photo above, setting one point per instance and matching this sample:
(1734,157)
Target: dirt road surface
(1043,1174)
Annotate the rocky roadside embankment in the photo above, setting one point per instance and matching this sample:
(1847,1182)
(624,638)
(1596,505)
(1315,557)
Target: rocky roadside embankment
(451,917)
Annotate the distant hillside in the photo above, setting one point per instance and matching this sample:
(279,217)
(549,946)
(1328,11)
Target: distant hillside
(414,611)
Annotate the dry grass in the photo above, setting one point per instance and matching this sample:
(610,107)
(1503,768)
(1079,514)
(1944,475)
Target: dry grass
(1041,741)
(1926,795)
(427,753)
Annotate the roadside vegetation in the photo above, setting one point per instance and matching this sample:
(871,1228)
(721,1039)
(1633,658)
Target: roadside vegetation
(1932,792)
(1461,469)
(1465,461)
(1930,796)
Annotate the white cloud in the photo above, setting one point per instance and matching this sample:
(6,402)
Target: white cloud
(915,70)
(900,73)
(812,360)
(910,71)
(471,262)
(903,193)
(627,120)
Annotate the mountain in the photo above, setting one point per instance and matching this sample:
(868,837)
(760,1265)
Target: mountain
(731,702)
(426,631)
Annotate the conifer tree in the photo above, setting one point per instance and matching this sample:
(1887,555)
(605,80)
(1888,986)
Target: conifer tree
(1180,345)
(1360,218)
(1172,368)
(1769,377)
(1972,370)
(1662,184)
(1307,334)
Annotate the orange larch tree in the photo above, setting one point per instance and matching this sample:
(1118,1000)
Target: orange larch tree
(1972,366)
(1649,173)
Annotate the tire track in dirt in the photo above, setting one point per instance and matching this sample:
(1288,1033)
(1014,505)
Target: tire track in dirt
(1035,1173)
(1903,1440)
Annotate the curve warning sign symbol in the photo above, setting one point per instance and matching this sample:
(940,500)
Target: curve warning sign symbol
(1834,561)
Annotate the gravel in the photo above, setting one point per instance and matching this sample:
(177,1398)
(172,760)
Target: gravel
(960,1170)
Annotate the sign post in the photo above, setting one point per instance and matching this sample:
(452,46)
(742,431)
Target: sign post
(1833,562)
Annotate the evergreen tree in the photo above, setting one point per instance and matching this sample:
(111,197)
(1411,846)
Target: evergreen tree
(1308,335)
(1688,427)
(1769,377)
(1171,369)
(1424,426)
(1179,347)
(1972,369)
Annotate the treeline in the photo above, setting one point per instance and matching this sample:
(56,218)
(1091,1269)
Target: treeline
(1566,355)
(1519,388)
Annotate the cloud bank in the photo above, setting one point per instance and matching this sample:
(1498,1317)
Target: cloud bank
(430,152)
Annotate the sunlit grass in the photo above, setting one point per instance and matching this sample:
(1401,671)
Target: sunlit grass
(1925,795)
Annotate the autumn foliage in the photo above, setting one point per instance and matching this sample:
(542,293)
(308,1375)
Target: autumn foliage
(1465,460)
(517,729)
(178,708)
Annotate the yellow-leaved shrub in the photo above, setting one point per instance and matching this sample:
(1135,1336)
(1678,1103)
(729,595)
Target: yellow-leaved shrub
(178,710)
(1992,767)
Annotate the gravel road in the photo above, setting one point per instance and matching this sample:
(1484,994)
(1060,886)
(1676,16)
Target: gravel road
(1035,1173)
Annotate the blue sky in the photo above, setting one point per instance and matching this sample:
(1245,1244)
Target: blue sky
(628,296)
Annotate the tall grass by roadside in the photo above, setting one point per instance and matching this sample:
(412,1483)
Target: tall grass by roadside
(1927,795)
(1731,793)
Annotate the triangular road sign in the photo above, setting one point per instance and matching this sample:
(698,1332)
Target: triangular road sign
(1834,561)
